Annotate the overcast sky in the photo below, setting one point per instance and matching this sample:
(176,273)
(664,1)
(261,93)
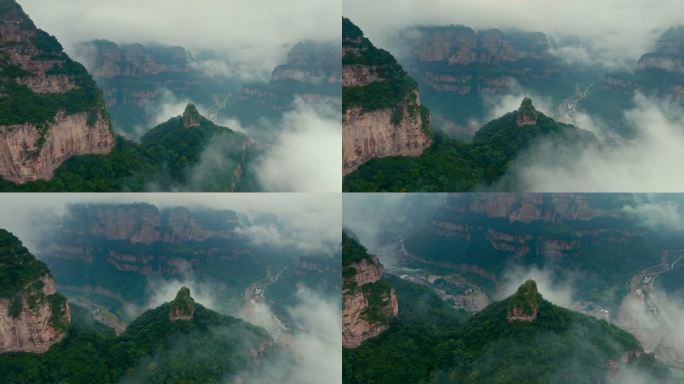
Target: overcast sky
(628,27)
(258,31)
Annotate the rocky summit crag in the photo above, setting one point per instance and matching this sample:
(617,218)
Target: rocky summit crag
(524,304)
(50,107)
(183,306)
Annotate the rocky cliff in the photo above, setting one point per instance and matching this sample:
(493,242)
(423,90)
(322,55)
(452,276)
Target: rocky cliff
(134,60)
(145,223)
(530,207)
(369,303)
(121,235)
(558,224)
(50,108)
(382,113)
(33,316)
(460,45)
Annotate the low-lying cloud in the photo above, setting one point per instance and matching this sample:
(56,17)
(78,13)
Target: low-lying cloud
(624,29)
(656,318)
(316,346)
(256,33)
(666,215)
(652,161)
(300,152)
(278,236)
(307,152)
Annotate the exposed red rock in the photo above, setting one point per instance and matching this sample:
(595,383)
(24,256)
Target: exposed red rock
(356,327)
(29,152)
(32,330)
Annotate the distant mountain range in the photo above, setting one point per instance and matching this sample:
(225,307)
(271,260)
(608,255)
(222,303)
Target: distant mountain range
(598,254)
(134,78)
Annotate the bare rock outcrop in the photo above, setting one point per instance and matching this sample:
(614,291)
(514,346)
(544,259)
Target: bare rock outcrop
(134,60)
(39,325)
(368,135)
(55,109)
(529,207)
(457,48)
(369,303)
(527,114)
(459,45)
(135,223)
(397,126)
(125,228)
(33,316)
(524,304)
(183,306)
(28,154)
(191,116)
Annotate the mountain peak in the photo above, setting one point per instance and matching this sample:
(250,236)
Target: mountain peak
(527,114)
(524,304)
(183,306)
(191,116)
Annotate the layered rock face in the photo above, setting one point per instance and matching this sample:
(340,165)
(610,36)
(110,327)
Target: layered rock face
(530,207)
(524,305)
(368,135)
(135,60)
(459,45)
(50,107)
(488,220)
(109,231)
(369,303)
(33,316)
(457,49)
(382,113)
(146,224)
